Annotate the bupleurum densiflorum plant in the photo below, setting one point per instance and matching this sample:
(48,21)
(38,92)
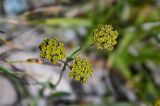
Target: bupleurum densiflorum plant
(52,50)
(80,70)
(103,37)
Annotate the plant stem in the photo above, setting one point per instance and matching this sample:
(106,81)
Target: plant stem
(66,64)
(61,74)
(75,51)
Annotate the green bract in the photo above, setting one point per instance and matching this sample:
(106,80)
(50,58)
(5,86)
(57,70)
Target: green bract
(104,37)
(52,50)
(80,70)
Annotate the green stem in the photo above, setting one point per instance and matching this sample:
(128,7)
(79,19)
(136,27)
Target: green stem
(61,74)
(75,51)
(66,64)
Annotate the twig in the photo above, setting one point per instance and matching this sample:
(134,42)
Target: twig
(61,74)
(65,64)
(75,51)
(2,31)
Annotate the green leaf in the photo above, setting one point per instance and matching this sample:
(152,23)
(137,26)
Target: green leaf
(60,94)
(69,59)
(121,104)
(64,22)
(123,68)
(6,71)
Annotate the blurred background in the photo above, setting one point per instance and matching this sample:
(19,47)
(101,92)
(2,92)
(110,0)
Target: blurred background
(127,76)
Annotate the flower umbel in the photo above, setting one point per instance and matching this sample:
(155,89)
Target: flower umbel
(80,70)
(52,50)
(104,37)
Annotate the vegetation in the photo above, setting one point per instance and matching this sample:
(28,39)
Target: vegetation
(133,67)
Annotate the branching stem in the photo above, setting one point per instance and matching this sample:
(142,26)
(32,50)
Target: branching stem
(66,64)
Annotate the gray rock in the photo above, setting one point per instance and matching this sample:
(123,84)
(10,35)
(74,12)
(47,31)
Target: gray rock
(8,94)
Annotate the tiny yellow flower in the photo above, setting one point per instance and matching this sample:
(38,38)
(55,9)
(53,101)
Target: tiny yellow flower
(156,102)
(52,50)
(104,37)
(80,70)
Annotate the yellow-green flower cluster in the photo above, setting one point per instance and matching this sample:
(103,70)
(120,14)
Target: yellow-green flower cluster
(52,50)
(104,37)
(80,70)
